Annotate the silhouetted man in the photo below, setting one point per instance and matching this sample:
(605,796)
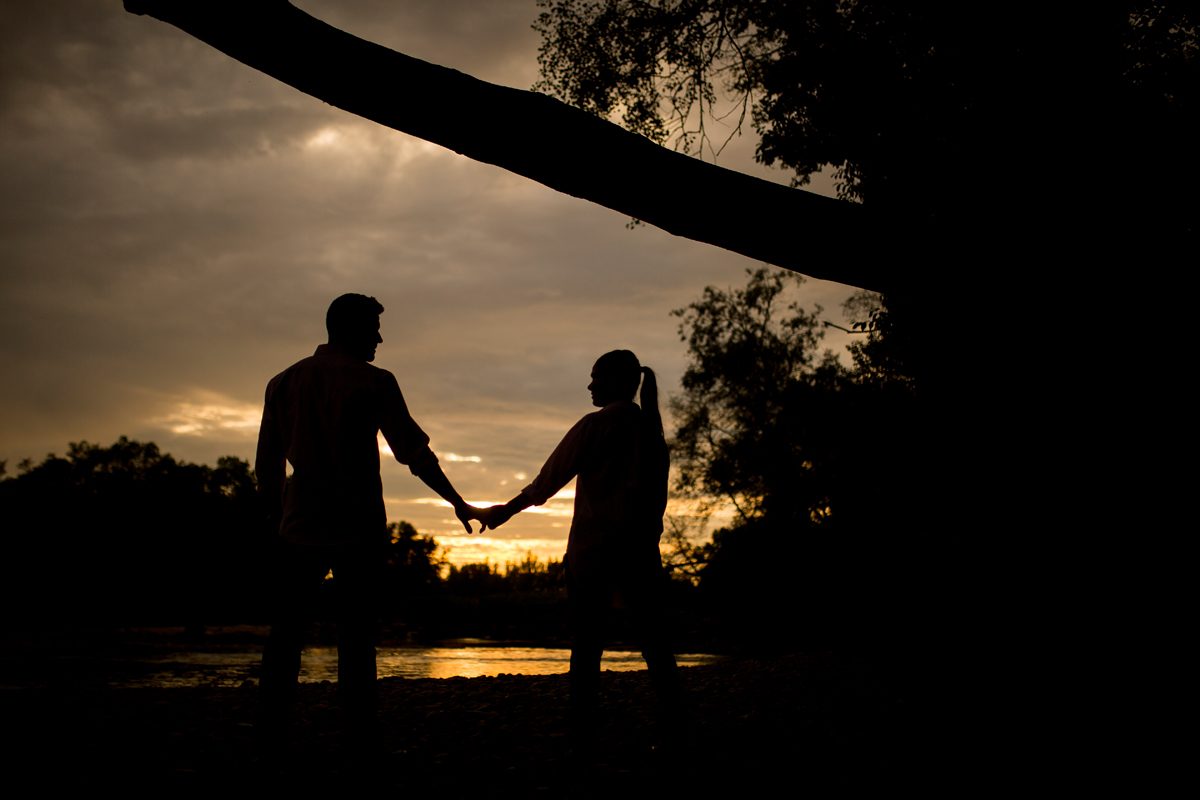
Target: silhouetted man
(322,416)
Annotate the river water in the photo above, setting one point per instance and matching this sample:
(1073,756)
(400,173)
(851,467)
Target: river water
(233,667)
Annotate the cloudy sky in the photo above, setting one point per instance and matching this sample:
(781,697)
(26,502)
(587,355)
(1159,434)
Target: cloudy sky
(174,225)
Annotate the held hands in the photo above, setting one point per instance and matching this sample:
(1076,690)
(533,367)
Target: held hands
(494,517)
(467,512)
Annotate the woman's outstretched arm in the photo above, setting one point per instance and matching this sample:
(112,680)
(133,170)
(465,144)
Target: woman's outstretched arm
(557,472)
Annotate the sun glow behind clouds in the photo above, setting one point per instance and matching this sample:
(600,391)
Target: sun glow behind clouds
(360,143)
(460,549)
(324,138)
(561,505)
(210,415)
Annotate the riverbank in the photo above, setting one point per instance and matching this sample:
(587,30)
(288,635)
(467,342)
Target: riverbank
(804,720)
(227,657)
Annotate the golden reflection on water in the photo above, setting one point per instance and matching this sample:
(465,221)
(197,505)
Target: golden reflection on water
(320,663)
(474,662)
(232,668)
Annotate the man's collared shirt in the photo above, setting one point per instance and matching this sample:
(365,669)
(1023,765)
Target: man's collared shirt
(323,415)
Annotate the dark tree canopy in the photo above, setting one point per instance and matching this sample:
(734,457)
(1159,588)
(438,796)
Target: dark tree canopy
(930,110)
(768,421)
(819,460)
(1003,152)
(752,356)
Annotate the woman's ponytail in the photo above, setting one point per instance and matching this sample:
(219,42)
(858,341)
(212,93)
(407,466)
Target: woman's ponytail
(622,370)
(649,401)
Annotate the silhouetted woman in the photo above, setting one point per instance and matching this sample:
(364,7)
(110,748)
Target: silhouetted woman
(620,458)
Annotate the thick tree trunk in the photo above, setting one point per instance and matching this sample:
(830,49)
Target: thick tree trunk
(541,138)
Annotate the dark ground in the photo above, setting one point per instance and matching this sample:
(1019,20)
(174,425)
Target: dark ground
(789,724)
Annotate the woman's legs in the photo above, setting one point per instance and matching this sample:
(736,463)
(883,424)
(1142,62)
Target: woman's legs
(589,601)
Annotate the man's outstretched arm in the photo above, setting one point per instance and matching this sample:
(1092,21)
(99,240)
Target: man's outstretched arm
(430,473)
(410,446)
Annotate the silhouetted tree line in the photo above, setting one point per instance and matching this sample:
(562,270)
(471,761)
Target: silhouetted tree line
(126,533)
(527,601)
(521,601)
(432,599)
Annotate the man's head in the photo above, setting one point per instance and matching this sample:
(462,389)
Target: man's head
(353,324)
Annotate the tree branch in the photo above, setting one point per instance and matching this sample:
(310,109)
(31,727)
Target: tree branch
(540,138)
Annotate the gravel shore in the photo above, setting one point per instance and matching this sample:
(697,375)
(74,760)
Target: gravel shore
(774,724)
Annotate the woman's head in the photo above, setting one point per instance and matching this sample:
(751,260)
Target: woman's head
(616,376)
